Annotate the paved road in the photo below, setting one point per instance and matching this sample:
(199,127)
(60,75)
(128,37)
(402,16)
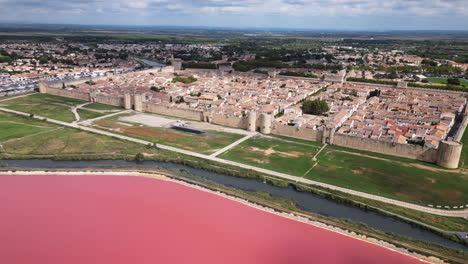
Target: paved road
(233,144)
(452,213)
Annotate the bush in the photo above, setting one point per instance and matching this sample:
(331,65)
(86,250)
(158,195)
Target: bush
(140,157)
(453,81)
(156,89)
(296,74)
(353,79)
(181,79)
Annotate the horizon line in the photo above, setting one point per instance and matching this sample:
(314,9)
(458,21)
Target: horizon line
(263,28)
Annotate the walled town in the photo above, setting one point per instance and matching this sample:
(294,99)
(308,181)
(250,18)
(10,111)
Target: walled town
(370,94)
(266,103)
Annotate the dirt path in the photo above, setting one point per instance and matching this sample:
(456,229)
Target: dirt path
(75,111)
(89,121)
(219,152)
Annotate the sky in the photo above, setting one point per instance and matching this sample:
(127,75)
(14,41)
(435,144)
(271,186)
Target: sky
(303,14)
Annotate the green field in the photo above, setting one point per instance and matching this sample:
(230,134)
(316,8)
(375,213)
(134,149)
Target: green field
(102,107)
(95,110)
(206,143)
(57,107)
(444,80)
(290,157)
(13,126)
(86,114)
(46,105)
(464,156)
(393,177)
(71,141)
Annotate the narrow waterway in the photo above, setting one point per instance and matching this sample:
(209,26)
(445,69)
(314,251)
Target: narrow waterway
(306,201)
(151,63)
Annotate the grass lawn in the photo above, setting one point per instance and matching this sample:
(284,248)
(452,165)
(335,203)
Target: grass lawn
(102,107)
(290,157)
(206,143)
(71,141)
(464,155)
(13,126)
(47,105)
(303,141)
(391,179)
(444,81)
(86,114)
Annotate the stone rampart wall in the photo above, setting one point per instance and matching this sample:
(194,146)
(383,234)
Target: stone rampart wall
(230,121)
(173,111)
(68,93)
(296,132)
(108,100)
(389,148)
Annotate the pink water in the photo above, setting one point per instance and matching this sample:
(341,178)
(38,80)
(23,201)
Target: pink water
(108,219)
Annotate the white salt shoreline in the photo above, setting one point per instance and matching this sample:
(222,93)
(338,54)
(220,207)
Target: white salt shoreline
(160,176)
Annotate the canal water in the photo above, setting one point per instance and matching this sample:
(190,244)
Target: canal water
(305,201)
(151,63)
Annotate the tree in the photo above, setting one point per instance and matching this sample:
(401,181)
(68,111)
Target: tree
(314,107)
(376,92)
(429,62)
(5,59)
(453,81)
(393,74)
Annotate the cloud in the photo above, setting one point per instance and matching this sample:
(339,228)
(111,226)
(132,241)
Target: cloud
(278,11)
(286,7)
(137,4)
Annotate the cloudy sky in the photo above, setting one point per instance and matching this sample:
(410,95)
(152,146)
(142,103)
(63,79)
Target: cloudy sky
(306,14)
